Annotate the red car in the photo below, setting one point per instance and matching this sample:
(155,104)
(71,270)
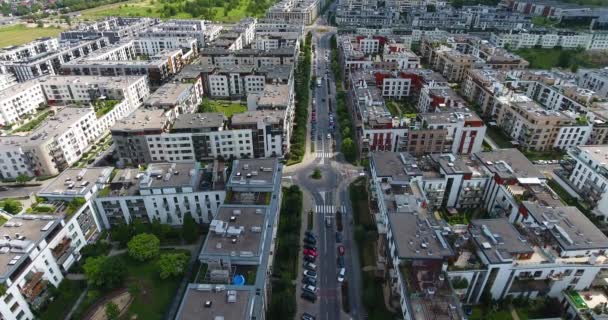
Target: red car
(310,252)
(341,250)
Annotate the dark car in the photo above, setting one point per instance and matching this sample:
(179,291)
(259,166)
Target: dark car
(341,250)
(340,261)
(308,258)
(308,316)
(310,241)
(338,237)
(309,280)
(309,296)
(310,247)
(309,234)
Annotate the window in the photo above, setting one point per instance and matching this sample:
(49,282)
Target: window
(8,298)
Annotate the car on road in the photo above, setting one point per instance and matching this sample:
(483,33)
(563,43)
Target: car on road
(329,136)
(307,316)
(309,280)
(310,266)
(310,241)
(310,247)
(338,237)
(309,296)
(309,258)
(310,234)
(309,288)
(341,250)
(310,252)
(341,274)
(340,261)
(309,273)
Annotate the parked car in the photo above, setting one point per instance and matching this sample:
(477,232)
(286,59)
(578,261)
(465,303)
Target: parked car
(308,258)
(341,250)
(340,261)
(310,234)
(341,274)
(310,266)
(309,273)
(338,237)
(308,316)
(309,240)
(309,288)
(310,252)
(309,280)
(310,247)
(309,296)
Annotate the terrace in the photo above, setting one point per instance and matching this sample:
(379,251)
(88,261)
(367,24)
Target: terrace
(588,304)
(102,107)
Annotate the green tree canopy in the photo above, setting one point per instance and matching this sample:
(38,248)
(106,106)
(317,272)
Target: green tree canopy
(172,264)
(104,271)
(189,229)
(144,247)
(112,311)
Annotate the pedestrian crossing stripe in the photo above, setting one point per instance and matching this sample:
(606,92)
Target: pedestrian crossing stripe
(325,154)
(325,209)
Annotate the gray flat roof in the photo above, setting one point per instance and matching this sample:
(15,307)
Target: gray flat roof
(274,95)
(169,94)
(397,165)
(568,226)
(200,120)
(258,116)
(251,222)
(509,163)
(505,241)
(165,175)
(32,228)
(416,239)
(121,82)
(142,119)
(193,304)
(76,182)
(451,164)
(258,172)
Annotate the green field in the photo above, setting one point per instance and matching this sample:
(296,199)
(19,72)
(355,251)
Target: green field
(20,34)
(159,9)
(554,58)
(226,107)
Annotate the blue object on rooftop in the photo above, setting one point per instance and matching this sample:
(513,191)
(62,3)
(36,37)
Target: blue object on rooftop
(238,280)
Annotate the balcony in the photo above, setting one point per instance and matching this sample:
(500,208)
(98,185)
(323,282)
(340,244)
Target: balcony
(35,285)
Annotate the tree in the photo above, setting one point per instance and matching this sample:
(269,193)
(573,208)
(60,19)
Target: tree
(105,272)
(172,264)
(189,229)
(563,60)
(112,311)
(3,289)
(22,178)
(144,247)
(121,233)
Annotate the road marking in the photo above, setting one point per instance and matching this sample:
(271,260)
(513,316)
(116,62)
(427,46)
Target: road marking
(325,154)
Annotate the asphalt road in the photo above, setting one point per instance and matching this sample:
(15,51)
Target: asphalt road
(330,195)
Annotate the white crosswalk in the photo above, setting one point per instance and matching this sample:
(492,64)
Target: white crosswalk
(325,154)
(327,209)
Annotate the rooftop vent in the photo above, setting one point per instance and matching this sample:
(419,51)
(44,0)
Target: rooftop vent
(208,303)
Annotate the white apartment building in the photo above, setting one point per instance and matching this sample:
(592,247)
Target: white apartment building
(571,40)
(30,49)
(7,80)
(590,176)
(152,45)
(20,100)
(165,191)
(596,80)
(271,131)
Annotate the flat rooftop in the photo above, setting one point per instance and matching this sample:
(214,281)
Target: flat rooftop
(397,165)
(258,172)
(169,94)
(451,164)
(212,302)
(274,95)
(416,238)
(508,164)
(259,116)
(31,229)
(568,226)
(76,182)
(18,88)
(199,120)
(463,114)
(166,175)
(237,230)
(498,240)
(597,153)
(141,120)
(121,82)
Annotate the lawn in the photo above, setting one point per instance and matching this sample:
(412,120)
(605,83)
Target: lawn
(225,107)
(20,34)
(493,315)
(544,155)
(551,58)
(34,122)
(67,294)
(154,9)
(499,137)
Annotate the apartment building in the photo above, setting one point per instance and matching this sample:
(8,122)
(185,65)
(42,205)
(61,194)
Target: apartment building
(242,237)
(270,131)
(165,192)
(550,39)
(19,101)
(594,79)
(535,128)
(179,97)
(453,64)
(295,11)
(437,97)
(113,28)
(202,31)
(220,57)
(39,248)
(26,66)
(589,176)
(30,49)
